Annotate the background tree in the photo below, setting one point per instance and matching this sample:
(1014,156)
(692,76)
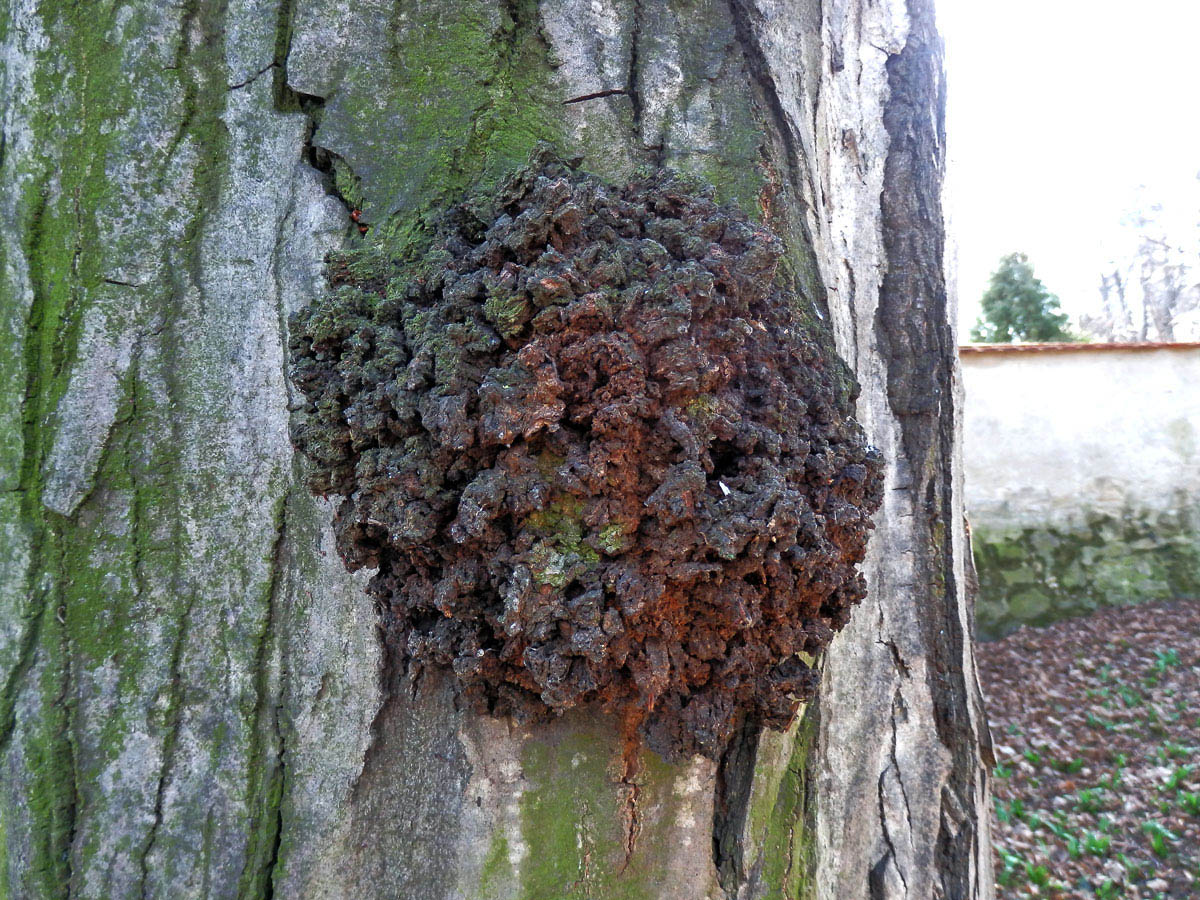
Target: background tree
(1017,307)
(194,701)
(1151,290)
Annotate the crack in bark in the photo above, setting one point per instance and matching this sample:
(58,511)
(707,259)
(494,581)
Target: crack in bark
(175,718)
(760,71)
(191,87)
(254,77)
(898,701)
(585,856)
(596,95)
(897,659)
(631,749)
(633,76)
(277,569)
(43,362)
(731,803)
(288,99)
(269,775)
(69,740)
(852,284)
(791,857)
(877,884)
(273,776)
(631,819)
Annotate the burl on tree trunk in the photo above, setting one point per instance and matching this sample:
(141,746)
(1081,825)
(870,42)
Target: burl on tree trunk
(196,697)
(595,456)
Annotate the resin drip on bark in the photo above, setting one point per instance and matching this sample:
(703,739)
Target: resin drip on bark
(595,455)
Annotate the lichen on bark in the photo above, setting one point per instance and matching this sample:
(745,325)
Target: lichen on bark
(594,454)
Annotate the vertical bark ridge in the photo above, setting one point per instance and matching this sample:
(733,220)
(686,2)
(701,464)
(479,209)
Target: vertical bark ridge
(28,494)
(917,341)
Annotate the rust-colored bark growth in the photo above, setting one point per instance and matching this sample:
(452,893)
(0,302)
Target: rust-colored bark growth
(594,454)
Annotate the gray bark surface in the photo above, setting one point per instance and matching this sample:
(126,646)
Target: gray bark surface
(193,700)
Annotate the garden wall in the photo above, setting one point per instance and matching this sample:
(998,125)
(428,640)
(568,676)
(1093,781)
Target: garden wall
(1082,477)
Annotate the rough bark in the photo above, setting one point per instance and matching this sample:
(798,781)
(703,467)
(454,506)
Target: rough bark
(192,693)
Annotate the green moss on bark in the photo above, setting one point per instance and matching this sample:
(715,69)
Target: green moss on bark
(72,122)
(789,849)
(583,822)
(465,96)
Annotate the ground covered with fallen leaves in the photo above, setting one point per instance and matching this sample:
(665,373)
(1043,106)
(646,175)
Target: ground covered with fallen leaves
(1096,727)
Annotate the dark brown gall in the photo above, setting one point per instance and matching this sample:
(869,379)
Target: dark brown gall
(595,456)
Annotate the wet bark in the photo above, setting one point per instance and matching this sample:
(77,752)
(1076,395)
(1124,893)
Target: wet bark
(193,700)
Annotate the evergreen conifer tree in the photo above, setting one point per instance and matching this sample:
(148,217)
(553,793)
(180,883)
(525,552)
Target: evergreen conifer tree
(1017,307)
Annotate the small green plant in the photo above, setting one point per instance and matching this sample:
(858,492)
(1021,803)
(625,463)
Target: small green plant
(1074,847)
(1033,757)
(1108,890)
(1178,777)
(1133,868)
(1129,696)
(1112,781)
(1097,844)
(1120,760)
(1090,800)
(1011,870)
(1002,771)
(1038,875)
(1165,659)
(1073,767)
(1099,724)
(1160,837)
(1008,812)
(1002,812)
(1189,801)
(1058,827)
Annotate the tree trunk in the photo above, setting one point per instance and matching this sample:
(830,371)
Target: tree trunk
(194,702)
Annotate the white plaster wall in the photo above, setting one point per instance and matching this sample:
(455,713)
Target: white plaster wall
(1052,435)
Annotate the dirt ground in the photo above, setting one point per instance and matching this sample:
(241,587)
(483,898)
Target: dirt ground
(1096,724)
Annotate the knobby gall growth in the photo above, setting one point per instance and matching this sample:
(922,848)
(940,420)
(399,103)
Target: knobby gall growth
(594,454)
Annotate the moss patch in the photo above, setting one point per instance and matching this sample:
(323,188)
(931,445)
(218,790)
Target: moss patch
(597,825)
(1035,576)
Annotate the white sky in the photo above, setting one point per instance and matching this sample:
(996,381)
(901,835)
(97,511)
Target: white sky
(1058,111)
